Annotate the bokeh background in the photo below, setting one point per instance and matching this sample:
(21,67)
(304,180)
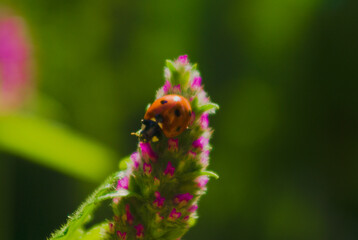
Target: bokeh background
(285,142)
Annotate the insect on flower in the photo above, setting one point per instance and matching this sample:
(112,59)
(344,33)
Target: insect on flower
(169,115)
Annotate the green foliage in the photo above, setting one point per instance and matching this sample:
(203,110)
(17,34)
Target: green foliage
(55,146)
(74,228)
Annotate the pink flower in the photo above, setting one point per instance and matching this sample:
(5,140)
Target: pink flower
(183,59)
(123,183)
(140,230)
(192,154)
(176,88)
(204,121)
(192,208)
(204,158)
(174,215)
(159,201)
(183,199)
(122,236)
(128,216)
(186,218)
(147,151)
(196,83)
(111,227)
(147,168)
(201,143)
(166,87)
(202,181)
(15,61)
(169,170)
(135,159)
(173,144)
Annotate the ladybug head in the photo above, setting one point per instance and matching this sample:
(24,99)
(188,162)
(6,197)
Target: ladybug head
(149,132)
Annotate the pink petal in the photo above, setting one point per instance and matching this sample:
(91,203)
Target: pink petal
(123,183)
(204,121)
(147,151)
(166,87)
(196,83)
(193,208)
(135,159)
(200,143)
(183,59)
(169,170)
(202,181)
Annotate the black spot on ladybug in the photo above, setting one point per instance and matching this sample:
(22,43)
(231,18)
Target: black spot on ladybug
(177,112)
(178,129)
(163,102)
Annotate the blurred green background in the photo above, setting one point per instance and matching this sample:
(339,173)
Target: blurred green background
(284,73)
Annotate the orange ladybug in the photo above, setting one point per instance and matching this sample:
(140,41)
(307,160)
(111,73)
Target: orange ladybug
(169,115)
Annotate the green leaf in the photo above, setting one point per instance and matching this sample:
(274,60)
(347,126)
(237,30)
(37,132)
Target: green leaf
(73,229)
(55,146)
(209,107)
(171,66)
(210,174)
(97,232)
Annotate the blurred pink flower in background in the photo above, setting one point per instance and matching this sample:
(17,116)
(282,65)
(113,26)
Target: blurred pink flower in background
(15,61)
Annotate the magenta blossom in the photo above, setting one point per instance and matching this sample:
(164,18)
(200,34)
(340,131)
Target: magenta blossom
(128,216)
(123,183)
(135,159)
(122,235)
(192,154)
(183,199)
(15,61)
(159,201)
(204,158)
(140,230)
(147,151)
(169,170)
(196,83)
(147,168)
(204,121)
(186,218)
(166,87)
(176,88)
(193,208)
(201,143)
(174,215)
(183,59)
(202,181)
(173,144)
(111,227)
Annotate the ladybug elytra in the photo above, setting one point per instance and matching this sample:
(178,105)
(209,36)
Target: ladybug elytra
(169,115)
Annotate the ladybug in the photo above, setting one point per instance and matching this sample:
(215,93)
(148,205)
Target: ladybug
(169,115)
